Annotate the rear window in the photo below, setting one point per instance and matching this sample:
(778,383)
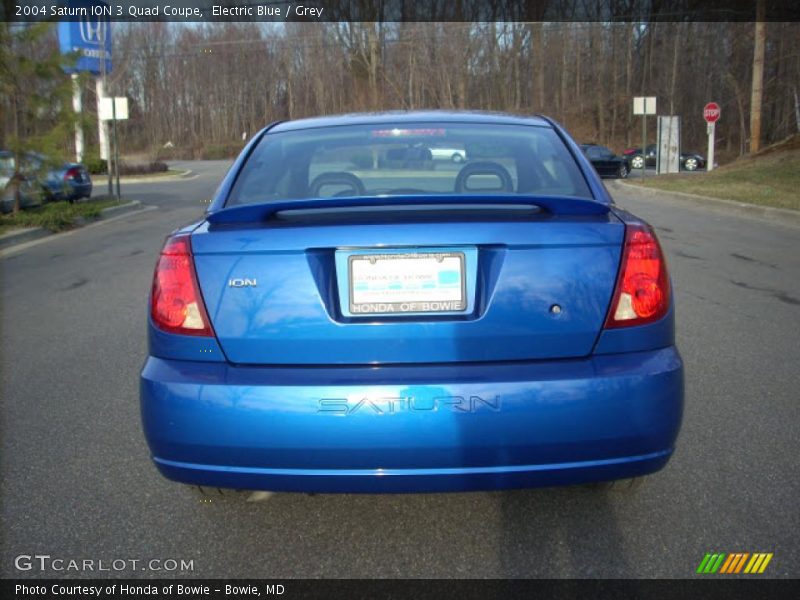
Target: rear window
(408,159)
(598,152)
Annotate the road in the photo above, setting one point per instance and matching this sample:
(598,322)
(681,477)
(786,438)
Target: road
(77,481)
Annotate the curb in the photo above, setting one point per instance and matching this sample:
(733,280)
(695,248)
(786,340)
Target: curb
(12,238)
(15,238)
(176,177)
(770,213)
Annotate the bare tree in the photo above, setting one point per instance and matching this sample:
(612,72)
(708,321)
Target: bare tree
(201,87)
(758,77)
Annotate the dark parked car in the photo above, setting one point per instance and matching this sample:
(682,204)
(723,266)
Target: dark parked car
(605,162)
(42,181)
(634,155)
(498,324)
(690,161)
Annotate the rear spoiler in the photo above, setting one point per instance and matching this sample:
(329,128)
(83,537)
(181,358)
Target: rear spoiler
(263,211)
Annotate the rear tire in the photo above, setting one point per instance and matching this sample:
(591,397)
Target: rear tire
(623,171)
(457,158)
(690,164)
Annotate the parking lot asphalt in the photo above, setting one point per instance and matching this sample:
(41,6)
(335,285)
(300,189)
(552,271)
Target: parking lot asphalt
(77,482)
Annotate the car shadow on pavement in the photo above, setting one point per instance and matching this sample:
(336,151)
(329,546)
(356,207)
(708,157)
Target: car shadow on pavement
(562,532)
(549,533)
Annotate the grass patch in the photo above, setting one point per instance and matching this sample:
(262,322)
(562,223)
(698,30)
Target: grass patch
(55,216)
(769,179)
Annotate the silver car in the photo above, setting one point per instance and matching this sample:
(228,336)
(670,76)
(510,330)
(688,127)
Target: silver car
(448,152)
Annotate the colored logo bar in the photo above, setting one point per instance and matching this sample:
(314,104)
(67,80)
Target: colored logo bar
(738,562)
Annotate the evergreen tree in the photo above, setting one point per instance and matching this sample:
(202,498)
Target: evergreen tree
(35,104)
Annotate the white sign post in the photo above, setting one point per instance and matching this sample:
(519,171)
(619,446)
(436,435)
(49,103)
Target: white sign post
(102,126)
(89,37)
(669,145)
(113,109)
(710,131)
(77,106)
(711,113)
(644,105)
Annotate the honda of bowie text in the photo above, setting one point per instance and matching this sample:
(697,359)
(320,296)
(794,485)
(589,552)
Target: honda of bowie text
(352,315)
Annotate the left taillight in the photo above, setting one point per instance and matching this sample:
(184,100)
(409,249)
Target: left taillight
(642,293)
(176,305)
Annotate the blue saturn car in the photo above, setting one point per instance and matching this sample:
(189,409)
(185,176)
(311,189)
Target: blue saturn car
(345,320)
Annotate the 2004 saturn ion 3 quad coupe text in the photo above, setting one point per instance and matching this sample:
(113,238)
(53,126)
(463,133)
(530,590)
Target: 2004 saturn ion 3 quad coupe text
(352,316)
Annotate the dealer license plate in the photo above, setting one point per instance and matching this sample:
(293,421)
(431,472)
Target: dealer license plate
(395,284)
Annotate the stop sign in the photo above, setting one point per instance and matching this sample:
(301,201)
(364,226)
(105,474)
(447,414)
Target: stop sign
(711,112)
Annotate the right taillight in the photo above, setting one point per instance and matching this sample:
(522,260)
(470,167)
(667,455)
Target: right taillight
(176,305)
(642,291)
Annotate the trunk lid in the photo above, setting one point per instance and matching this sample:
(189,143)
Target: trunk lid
(537,285)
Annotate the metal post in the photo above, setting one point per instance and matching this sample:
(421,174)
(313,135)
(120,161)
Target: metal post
(116,142)
(109,160)
(77,107)
(644,139)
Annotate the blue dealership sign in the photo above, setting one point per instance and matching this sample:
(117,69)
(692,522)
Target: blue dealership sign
(89,34)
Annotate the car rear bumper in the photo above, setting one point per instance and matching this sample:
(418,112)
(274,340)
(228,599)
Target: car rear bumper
(79,190)
(73,191)
(413,429)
